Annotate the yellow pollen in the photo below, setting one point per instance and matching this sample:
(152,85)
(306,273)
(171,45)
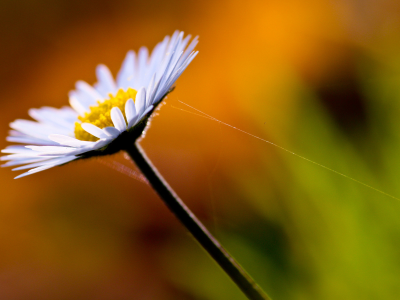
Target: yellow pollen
(100,115)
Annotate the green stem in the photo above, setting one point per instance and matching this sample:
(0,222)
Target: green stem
(195,227)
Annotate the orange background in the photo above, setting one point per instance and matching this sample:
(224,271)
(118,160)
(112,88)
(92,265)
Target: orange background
(320,78)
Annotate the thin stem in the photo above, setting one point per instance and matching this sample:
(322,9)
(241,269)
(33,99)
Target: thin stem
(196,228)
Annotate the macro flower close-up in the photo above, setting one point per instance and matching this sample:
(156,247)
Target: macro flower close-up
(111,116)
(104,117)
(266,167)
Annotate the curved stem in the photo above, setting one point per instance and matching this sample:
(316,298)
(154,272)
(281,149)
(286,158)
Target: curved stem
(196,228)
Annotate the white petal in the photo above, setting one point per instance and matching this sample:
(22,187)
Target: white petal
(54,150)
(16,149)
(106,82)
(155,59)
(150,89)
(130,110)
(171,55)
(76,105)
(159,54)
(140,101)
(60,151)
(53,116)
(153,94)
(167,85)
(58,162)
(93,130)
(85,99)
(29,140)
(22,161)
(126,74)
(36,170)
(118,119)
(172,66)
(92,95)
(37,130)
(19,156)
(52,161)
(111,132)
(68,141)
(142,61)
(165,71)
(189,50)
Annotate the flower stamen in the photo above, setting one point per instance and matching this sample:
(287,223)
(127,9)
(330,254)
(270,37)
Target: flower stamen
(100,115)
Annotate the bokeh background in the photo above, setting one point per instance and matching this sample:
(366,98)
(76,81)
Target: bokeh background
(318,77)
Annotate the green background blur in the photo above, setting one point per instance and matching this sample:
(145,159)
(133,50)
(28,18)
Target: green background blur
(318,77)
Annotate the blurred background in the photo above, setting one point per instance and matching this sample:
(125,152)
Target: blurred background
(318,77)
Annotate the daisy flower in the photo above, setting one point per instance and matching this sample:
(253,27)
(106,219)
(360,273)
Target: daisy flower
(102,118)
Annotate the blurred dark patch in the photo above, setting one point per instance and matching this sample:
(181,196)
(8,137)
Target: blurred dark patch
(270,239)
(153,236)
(342,97)
(345,99)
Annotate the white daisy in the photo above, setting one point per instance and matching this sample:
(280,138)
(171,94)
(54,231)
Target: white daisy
(103,117)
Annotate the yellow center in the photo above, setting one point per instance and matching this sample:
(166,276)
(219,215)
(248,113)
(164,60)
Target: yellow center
(100,115)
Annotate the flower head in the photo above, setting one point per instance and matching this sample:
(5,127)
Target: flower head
(104,117)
